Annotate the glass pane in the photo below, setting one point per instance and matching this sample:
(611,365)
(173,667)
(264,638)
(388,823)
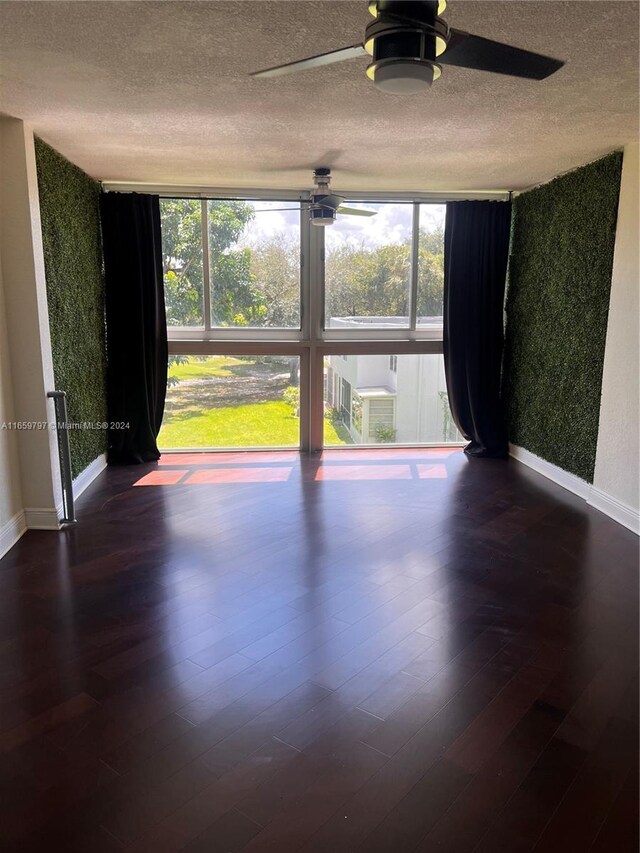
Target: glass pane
(368,268)
(431,265)
(254,264)
(231,401)
(383,399)
(182,261)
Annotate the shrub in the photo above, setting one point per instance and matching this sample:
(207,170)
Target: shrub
(291,396)
(383,434)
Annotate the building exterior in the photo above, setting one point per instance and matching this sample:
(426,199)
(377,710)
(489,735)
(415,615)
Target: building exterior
(390,399)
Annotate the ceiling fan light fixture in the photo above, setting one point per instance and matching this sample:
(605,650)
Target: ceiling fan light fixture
(403,76)
(406,39)
(373,7)
(322,216)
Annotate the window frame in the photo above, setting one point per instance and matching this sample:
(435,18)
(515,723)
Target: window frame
(209,332)
(312,342)
(312,273)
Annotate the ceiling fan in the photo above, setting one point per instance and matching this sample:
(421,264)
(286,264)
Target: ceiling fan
(324,206)
(410,42)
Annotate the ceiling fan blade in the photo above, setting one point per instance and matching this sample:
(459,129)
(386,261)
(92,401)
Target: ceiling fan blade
(468,51)
(354,211)
(330,200)
(351,52)
(276,209)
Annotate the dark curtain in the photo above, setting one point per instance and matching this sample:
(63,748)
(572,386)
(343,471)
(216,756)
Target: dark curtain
(136,325)
(476,251)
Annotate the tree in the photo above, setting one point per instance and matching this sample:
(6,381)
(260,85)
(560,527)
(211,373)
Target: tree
(182,261)
(430,273)
(368,282)
(276,267)
(235,298)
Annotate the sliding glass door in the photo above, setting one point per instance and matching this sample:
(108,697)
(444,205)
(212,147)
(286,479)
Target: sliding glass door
(285,334)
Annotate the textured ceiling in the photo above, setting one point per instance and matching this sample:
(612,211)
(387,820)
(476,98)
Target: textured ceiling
(159,92)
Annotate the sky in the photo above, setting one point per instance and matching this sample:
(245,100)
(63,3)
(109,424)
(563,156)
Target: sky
(391,224)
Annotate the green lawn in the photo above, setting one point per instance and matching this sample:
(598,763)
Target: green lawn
(206,368)
(229,402)
(259,425)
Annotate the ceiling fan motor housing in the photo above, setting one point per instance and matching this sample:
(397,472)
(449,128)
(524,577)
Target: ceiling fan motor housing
(405,39)
(321,215)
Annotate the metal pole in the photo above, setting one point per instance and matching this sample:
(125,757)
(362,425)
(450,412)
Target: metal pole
(64,453)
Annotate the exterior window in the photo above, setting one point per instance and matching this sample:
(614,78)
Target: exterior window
(182,261)
(278,330)
(231,263)
(430,285)
(409,406)
(382,420)
(374,264)
(254,264)
(368,268)
(221,401)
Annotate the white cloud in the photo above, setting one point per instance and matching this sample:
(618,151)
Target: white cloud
(270,218)
(391,224)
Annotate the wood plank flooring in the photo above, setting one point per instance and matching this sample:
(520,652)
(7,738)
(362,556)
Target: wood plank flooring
(364,651)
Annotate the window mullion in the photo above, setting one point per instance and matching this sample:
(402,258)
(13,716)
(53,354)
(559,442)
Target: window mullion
(306,267)
(316,282)
(415,245)
(314,376)
(206,280)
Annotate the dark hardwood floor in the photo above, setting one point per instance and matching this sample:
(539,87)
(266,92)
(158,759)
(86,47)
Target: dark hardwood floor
(370,651)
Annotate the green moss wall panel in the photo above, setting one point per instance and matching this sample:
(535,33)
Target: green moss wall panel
(75,292)
(557,304)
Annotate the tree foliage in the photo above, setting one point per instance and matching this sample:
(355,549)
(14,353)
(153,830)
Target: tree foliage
(235,298)
(276,267)
(374,281)
(182,261)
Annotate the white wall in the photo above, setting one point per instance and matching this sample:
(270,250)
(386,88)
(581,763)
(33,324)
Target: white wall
(11,516)
(617,469)
(27,322)
(417,384)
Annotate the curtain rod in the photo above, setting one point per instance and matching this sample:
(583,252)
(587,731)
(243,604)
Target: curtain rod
(254,194)
(278,196)
(203,197)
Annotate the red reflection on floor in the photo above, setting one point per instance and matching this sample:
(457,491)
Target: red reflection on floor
(162,478)
(231,457)
(266,466)
(240,475)
(373,454)
(363,472)
(432,472)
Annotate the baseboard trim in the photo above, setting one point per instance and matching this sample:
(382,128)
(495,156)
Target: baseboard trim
(86,477)
(11,531)
(42,518)
(620,512)
(615,509)
(552,472)
(48,518)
